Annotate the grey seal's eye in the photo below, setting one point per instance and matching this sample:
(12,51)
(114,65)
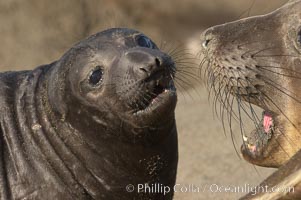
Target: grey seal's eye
(143,41)
(96,76)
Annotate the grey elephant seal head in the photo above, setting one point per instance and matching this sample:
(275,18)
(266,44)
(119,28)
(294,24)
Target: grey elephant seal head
(257,61)
(115,78)
(86,126)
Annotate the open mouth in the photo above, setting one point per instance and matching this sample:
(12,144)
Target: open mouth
(256,142)
(159,88)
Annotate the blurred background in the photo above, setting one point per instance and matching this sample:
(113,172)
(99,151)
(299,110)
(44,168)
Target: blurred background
(36,32)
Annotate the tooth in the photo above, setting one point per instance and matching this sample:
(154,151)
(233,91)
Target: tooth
(245,138)
(252,148)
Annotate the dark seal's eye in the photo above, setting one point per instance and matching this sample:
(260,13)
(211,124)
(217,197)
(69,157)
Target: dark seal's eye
(144,42)
(96,76)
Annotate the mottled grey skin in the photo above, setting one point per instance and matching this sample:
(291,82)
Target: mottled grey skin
(63,137)
(257,61)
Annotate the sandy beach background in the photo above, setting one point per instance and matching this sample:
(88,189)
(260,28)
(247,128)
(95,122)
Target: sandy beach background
(35,32)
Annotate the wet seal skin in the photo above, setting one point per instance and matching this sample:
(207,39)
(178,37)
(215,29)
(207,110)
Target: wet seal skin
(257,61)
(87,125)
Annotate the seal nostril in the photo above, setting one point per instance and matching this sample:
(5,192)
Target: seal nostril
(205,44)
(158,62)
(143,69)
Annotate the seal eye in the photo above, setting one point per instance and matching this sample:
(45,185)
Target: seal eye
(144,42)
(96,76)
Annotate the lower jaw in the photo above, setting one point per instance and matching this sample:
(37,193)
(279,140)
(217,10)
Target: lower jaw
(271,160)
(255,147)
(162,104)
(249,154)
(256,158)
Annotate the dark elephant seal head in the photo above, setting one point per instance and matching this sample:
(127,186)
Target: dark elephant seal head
(258,61)
(99,119)
(116,76)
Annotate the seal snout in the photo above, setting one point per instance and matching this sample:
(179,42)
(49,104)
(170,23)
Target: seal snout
(153,69)
(146,64)
(152,72)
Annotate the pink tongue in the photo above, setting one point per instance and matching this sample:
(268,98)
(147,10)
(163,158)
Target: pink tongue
(267,122)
